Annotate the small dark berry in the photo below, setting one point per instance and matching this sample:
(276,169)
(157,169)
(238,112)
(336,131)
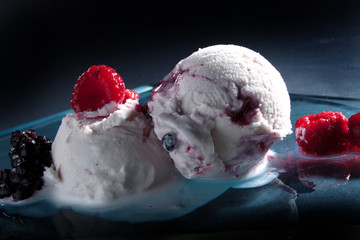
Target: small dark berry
(22,150)
(46,159)
(26,183)
(26,148)
(23,138)
(31,133)
(44,142)
(4,190)
(36,172)
(5,176)
(169,142)
(18,162)
(15,159)
(21,194)
(13,155)
(20,171)
(12,152)
(15,178)
(15,135)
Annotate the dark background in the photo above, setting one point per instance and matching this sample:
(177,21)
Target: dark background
(46,45)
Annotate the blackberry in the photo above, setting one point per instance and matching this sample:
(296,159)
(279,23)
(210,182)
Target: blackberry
(29,156)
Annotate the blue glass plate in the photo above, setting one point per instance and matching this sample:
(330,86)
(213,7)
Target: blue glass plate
(289,199)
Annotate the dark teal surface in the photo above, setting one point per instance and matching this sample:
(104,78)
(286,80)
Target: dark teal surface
(238,212)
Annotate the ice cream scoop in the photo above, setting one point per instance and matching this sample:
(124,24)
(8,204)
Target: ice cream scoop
(219,111)
(99,160)
(107,149)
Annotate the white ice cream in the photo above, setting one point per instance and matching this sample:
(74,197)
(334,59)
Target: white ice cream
(102,159)
(226,105)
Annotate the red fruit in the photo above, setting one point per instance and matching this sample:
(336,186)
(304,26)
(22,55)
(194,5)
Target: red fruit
(354,129)
(323,133)
(98,86)
(130,94)
(141,109)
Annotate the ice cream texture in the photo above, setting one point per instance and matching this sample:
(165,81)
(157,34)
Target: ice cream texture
(102,159)
(223,106)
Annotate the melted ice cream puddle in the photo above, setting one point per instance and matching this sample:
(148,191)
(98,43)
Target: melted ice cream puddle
(175,198)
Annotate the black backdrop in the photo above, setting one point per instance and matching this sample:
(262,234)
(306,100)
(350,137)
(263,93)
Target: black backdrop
(46,45)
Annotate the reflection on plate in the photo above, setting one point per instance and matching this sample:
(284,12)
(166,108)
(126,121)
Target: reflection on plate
(271,203)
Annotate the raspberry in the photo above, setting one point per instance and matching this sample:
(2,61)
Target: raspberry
(96,87)
(354,129)
(130,94)
(322,134)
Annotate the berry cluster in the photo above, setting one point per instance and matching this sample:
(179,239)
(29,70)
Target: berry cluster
(29,155)
(328,133)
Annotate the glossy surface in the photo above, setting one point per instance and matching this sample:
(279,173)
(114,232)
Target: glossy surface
(311,190)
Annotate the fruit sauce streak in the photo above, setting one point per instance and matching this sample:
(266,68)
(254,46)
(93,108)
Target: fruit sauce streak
(248,110)
(88,171)
(175,76)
